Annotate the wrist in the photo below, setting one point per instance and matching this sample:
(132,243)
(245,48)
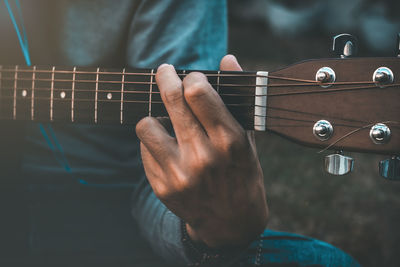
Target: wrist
(217,234)
(197,251)
(200,253)
(192,234)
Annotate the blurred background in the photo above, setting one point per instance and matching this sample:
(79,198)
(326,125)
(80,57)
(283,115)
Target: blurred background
(360,212)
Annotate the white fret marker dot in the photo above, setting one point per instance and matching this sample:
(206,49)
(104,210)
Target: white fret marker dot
(109,96)
(24,93)
(62,94)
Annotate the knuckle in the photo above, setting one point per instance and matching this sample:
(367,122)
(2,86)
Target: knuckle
(196,85)
(161,191)
(181,181)
(196,90)
(233,143)
(203,163)
(194,76)
(181,187)
(178,182)
(173,94)
(176,187)
(175,191)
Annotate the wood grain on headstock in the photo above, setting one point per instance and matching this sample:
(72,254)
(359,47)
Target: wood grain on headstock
(347,106)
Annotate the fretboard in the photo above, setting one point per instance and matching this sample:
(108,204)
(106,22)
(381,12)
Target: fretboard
(99,95)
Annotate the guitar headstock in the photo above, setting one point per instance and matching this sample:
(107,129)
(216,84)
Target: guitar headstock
(341,112)
(345,103)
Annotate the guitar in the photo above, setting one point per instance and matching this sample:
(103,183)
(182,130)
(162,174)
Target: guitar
(350,104)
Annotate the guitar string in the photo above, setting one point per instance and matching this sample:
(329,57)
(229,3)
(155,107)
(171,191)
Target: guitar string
(241,75)
(353,132)
(309,83)
(348,89)
(238,74)
(231,94)
(227,94)
(268,116)
(158,102)
(228,105)
(323,91)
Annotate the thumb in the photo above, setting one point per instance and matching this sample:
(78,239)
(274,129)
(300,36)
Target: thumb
(230,63)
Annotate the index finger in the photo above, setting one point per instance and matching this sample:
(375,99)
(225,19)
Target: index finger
(207,106)
(185,124)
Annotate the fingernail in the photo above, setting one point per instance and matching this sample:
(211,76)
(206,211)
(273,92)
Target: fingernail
(162,66)
(165,65)
(232,56)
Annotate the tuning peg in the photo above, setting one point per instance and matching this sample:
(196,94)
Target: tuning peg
(345,45)
(338,164)
(390,168)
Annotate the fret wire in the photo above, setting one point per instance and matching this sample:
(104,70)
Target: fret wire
(122,96)
(15,93)
(151,91)
(1,69)
(97,91)
(52,93)
(33,94)
(73,93)
(218,81)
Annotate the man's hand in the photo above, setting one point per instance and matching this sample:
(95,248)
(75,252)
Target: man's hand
(209,175)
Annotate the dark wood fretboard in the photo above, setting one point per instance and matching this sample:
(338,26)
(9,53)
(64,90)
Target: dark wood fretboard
(99,95)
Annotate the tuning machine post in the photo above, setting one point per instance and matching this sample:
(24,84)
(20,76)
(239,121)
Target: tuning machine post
(338,164)
(345,45)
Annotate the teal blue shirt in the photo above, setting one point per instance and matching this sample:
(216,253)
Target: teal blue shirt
(189,34)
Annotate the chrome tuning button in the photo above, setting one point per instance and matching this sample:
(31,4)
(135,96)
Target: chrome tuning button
(323,130)
(345,45)
(390,168)
(380,134)
(338,164)
(383,76)
(325,76)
